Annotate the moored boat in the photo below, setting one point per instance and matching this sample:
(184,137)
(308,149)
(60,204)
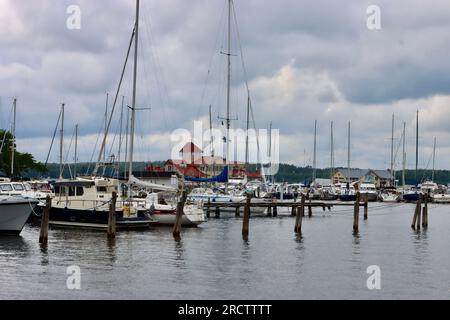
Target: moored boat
(14,213)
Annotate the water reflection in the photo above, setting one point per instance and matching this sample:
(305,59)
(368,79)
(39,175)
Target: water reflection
(13,244)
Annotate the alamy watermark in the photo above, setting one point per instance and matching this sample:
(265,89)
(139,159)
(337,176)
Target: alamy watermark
(374,280)
(262,148)
(73,281)
(373,17)
(73,21)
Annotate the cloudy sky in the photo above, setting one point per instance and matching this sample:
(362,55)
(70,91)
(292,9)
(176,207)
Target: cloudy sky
(304,60)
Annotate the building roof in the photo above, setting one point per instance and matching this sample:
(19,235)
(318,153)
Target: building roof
(190,148)
(383,174)
(353,173)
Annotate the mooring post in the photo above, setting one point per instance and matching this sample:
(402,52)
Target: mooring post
(269,209)
(237,212)
(300,214)
(366,206)
(416,213)
(356,213)
(275,210)
(217,212)
(208,209)
(246,220)
(293,210)
(179,217)
(425,211)
(112,217)
(43,236)
(419,212)
(310,209)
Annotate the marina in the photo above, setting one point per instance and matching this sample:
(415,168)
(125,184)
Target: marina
(153,170)
(213,262)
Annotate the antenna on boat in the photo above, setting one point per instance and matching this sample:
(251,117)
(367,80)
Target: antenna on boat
(392,152)
(348,152)
(13,131)
(332,154)
(404,155)
(434,159)
(61,143)
(76,151)
(417,142)
(315,152)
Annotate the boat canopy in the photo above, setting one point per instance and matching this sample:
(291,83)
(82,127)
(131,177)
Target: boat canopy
(86,184)
(223,177)
(135,181)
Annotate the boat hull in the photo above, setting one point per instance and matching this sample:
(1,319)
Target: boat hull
(371,196)
(92,219)
(14,215)
(411,197)
(347,197)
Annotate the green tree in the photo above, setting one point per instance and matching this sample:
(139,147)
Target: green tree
(23,162)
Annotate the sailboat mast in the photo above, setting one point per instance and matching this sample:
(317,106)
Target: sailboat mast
(106,127)
(315,152)
(270,145)
(332,154)
(210,131)
(417,142)
(133,106)
(228,80)
(76,151)
(348,152)
(392,152)
(61,143)
(434,159)
(246,137)
(404,155)
(119,155)
(13,145)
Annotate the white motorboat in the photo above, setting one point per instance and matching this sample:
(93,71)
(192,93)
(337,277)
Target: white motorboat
(165,214)
(389,196)
(14,213)
(205,195)
(369,190)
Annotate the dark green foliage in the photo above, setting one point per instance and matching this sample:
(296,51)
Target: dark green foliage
(23,162)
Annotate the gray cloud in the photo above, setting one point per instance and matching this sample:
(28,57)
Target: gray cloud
(305,60)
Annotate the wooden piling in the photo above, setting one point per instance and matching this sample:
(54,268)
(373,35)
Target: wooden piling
(293,211)
(416,213)
(208,209)
(425,212)
(246,220)
(275,210)
(356,213)
(366,207)
(179,217)
(112,217)
(419,212)
(309,209)
(269,211)
(237,212)
(300,214)
(43,236)
(217,214)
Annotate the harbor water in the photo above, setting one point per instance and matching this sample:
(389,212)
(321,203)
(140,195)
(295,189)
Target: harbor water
(213,262)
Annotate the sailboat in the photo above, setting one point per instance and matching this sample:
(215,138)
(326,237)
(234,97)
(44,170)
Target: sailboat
(233,192)
(347,191)
(414,194)
(85,201)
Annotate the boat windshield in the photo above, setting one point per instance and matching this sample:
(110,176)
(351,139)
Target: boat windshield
(18,187)
(6,187)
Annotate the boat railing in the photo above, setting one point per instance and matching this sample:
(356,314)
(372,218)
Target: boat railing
(96,204)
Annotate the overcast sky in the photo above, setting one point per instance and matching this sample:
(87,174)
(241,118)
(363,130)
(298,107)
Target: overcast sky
(305,60)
